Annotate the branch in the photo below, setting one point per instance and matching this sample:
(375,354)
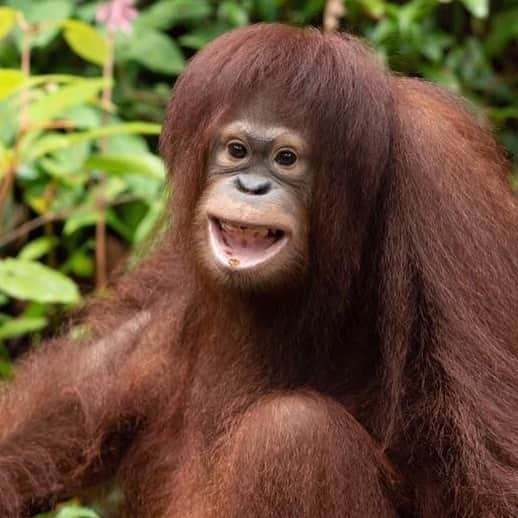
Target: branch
(334,11)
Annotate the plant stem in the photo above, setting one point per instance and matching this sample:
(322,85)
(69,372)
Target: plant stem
(8,180)
(35,223)
(27,31)
(333,12)
(5,187)
(100,228)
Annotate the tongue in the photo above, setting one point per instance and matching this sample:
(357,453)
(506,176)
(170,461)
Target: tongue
(247,245)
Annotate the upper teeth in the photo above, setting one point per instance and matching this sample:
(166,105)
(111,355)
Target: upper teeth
(235,229)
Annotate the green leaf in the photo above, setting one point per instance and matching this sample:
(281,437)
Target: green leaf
(168,13)
(84,117)
(9,115)
(7,20)
(75,511)
(150,221)
(67,163)
(41,11)
(157,52)
(267,10)
(501,115)
(79,264)
(48,14)
(200,37)
(46,143)
(86,42)
(49,143)
(43,79)
(80,220)
(30,280)
(38,248)
(11,80)
(89,219)
(126,128)
(21,326)
(478,8)
(122,144)
(145,164)
(504,30)
(6,369)
(310,10)
(54,104)
(232,13)
(145,187)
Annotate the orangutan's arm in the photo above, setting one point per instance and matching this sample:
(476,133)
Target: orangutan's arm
(65,418)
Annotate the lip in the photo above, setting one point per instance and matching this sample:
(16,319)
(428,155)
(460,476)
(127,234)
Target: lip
(241,245)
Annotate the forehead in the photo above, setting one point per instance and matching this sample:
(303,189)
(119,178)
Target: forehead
(264,119)
(257,131)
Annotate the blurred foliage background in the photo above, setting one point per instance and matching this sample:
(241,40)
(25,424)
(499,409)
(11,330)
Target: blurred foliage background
(83,87)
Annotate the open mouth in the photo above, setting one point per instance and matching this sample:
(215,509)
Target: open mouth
(240,245)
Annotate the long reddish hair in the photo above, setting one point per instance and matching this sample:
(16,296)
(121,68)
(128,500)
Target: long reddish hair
(414,236)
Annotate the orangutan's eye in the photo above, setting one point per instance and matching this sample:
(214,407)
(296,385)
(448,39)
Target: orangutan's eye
(285,157)
(237,150)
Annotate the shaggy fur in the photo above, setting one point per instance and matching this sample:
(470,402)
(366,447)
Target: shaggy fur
(384,384)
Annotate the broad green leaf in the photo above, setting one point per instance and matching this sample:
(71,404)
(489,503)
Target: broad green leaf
(30,280)
(110,189)
(501,115)
(54,104)
(35,310)
(42,11)
(71,509)
(89,219)
(374,8)
(145,187)
(86,42)
(42,79)
(80,220)
(150,221)
(122,144)
(145,164)
(126,128)
(6,368)
(76,512)
(48,14)
(84,117)
(38,248)
(31,149)
(11,80)
(88,11)
(21,326)
(267,10)
(232,13)
(118,225)
(51,142)
(7,20)
(478,8)
(200,37)
(157,52)
(504,30)
(168,13)
(79,264)
(9,115)
(66,163)
(311,9)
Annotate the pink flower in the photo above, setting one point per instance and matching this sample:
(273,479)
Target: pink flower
(117,14)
